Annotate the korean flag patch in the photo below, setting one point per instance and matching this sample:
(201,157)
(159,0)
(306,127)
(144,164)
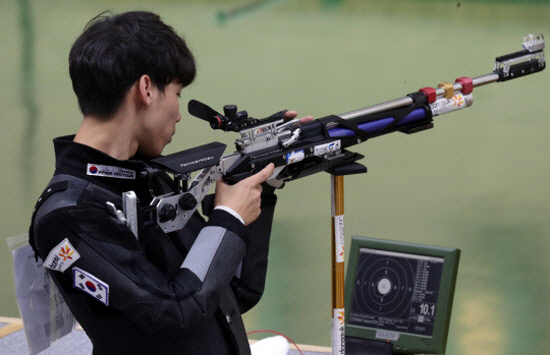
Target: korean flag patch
(90,284)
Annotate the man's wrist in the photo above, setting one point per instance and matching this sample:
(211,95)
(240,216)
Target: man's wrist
(231,212)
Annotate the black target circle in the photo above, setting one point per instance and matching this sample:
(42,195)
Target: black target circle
(384,286)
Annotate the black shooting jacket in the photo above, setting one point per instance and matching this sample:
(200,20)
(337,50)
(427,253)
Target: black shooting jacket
(176,293)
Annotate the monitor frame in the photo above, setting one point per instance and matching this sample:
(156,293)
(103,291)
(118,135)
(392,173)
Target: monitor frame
(407,343)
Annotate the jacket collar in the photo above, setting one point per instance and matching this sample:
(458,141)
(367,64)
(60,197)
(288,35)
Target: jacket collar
(97,167)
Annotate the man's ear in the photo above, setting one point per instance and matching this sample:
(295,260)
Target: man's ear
(144,90)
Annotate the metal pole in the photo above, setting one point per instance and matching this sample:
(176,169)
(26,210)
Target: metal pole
(338,321)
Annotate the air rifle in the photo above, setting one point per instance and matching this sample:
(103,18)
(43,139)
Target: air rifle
(299,150)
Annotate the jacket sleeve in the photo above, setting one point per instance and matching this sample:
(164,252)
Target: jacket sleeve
(110,253)
(249,281)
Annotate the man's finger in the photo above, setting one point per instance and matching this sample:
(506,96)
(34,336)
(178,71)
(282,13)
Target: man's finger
(290,115)
(306,119)
(263,174)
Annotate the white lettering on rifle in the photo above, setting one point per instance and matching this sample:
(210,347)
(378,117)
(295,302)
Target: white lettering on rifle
(201,160)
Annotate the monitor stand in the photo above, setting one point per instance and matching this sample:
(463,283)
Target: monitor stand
(359,346)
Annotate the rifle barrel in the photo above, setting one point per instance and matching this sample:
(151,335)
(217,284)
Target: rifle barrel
(485,79)
(377,108)
(477,81)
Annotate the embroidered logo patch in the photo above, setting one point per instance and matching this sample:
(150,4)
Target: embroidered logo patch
(91,285)
(110,171)
(61,257)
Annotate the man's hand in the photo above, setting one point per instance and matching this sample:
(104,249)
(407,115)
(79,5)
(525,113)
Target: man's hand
(290,115)
(245,196)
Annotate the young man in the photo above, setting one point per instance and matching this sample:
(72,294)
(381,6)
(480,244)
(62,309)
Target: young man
(175,293)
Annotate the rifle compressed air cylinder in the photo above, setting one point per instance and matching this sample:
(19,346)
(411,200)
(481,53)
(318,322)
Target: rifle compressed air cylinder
(455,103)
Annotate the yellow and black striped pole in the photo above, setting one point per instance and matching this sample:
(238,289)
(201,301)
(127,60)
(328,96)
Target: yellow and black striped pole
(338,318)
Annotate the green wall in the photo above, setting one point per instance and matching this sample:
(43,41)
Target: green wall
(477,181)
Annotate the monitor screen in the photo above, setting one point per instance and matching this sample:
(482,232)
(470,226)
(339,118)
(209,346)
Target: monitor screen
(400,293)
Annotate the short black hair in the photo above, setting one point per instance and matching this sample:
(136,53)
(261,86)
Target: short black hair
(114,51)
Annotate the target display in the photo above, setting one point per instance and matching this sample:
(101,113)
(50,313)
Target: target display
(396,291)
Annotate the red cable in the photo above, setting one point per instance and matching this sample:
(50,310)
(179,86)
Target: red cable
(274,332)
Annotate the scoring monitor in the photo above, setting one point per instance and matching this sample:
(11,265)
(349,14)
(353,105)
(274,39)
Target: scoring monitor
(400,293)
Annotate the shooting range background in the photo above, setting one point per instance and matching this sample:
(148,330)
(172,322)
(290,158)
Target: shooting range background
(478,181)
